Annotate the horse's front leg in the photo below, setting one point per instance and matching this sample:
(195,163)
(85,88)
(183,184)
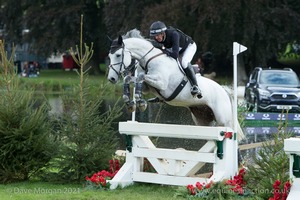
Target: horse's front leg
(141,103)
(157,81)
(131,107)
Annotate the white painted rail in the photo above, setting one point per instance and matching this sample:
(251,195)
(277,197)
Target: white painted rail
(292,148)
(176,166)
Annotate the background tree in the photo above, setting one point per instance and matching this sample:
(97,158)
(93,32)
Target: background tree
(265,26)
(53,25)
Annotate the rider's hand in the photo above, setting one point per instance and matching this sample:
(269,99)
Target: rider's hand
(168,53)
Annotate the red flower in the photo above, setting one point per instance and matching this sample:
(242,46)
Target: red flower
(208,185)
(238,189)
(286,190)
(191,189)
(276,184)
(199,186)
(287,185)
(277,195)
(242,171)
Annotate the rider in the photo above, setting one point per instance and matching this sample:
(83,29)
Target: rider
(177,45)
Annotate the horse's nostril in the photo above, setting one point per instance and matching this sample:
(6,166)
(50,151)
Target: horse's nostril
(112,80)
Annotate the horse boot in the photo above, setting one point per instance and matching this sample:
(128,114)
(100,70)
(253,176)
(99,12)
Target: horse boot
(141,103)
(195,91)
(126,92)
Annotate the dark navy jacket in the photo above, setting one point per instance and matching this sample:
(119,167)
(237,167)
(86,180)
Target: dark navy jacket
(175,39)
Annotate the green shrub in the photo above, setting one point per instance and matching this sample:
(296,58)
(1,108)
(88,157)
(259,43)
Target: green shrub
(270,164)
(25,136)
(86,136)
(25,133)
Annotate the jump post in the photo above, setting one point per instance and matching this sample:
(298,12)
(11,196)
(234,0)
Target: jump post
(176,166)
(292,149)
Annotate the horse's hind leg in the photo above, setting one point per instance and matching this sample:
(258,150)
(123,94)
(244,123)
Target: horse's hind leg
(141,103)
(202,115)
(131,107)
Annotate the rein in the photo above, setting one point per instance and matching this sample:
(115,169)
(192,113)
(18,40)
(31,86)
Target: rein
(146,66)
(146,54)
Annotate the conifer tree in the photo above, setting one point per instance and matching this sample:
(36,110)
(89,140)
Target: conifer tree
(87,136)
(270,164)
(26,143)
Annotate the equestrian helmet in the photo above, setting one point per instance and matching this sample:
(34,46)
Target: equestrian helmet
(157,28)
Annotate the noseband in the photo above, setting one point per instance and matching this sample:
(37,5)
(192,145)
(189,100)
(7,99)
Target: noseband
(126,69)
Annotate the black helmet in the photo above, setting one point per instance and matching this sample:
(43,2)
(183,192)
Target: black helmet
(157,28)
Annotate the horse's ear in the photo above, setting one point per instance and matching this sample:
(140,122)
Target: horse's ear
(120,40)
(109,38)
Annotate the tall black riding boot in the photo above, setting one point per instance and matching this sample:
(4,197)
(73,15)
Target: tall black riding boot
(192,78)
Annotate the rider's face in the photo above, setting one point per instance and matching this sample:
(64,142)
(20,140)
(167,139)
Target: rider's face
(159,37)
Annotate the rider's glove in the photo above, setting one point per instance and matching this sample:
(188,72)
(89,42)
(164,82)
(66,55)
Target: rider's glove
(168,53)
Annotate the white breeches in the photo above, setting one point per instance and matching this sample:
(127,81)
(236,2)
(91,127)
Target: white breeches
(188,54)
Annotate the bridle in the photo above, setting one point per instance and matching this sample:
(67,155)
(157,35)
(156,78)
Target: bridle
(133,61)
(130,68)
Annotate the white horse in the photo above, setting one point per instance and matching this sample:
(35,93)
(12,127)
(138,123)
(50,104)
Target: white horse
(167,81)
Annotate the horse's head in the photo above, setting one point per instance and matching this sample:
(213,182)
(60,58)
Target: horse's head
(120,60)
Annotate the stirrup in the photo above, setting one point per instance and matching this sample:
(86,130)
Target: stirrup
(154,100)
(195,91)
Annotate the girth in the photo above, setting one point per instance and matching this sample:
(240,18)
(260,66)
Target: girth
(176,91)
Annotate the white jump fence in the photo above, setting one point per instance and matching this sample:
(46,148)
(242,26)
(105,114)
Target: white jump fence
(176,166)
(292,148)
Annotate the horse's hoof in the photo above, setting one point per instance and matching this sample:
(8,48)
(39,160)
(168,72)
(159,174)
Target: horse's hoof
(125,98)
(142,105)
(131,107)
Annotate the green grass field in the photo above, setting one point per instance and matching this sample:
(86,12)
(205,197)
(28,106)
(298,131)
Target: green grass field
(60,76)
(44,191)
(60,81)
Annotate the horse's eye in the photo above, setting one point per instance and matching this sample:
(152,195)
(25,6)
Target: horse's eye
(107,61)
(118,55)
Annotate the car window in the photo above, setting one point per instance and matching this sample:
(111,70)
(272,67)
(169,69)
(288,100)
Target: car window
(271,78)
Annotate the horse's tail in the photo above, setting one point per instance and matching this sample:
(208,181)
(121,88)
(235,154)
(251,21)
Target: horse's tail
(240,132)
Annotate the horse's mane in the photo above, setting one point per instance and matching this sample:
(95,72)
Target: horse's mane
(134,33)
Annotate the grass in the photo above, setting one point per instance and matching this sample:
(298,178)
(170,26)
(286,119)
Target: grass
(57,81)
(50,79)
(41,190)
